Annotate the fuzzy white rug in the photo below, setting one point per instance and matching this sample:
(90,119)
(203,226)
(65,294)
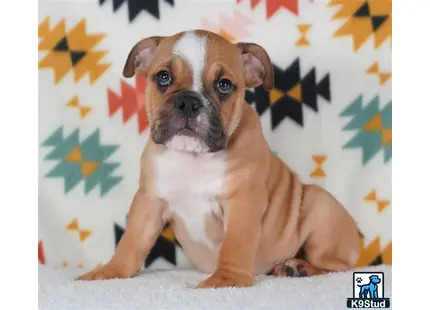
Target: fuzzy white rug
(173,289)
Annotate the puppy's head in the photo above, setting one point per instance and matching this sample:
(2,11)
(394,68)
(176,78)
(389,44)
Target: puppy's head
(196,83)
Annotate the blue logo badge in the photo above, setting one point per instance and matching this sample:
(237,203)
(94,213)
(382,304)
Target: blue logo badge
(368,291)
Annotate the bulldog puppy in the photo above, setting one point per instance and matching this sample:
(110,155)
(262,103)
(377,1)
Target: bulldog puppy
(236,208)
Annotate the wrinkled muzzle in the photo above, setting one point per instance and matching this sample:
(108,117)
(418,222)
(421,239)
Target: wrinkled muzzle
(188,121)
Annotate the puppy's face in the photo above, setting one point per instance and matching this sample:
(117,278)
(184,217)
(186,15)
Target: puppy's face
(195,86)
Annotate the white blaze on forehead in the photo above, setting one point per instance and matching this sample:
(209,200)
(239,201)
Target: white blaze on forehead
(192,48)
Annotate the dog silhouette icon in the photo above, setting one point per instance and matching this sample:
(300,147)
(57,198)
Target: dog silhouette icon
(370,290)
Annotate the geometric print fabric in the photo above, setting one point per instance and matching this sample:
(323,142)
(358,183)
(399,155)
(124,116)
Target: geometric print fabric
(329,116)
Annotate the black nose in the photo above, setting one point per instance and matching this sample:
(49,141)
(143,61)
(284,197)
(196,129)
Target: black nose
(188,104)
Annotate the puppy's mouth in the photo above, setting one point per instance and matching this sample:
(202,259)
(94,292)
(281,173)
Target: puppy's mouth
(187,140)
(187,132)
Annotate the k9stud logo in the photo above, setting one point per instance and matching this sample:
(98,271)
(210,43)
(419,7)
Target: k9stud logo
(368,291)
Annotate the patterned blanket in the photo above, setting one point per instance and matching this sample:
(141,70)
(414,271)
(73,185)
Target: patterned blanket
(328,117)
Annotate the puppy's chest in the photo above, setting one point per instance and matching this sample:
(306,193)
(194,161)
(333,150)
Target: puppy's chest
(190,184)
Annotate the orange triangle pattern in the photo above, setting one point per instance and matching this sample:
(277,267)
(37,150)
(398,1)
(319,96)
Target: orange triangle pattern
(88,167)
(78,40)
(74,102)
(381,204)
(73,225)
(302,42)
(369,253)
(168,234)
(373,68)
(275,94)
(359,28)
(319,159)
(318,172)
(375,124)
(303,29)
(387,254)
(383,76)
(387,136)
(84,234)
(43,27)
(371,196)
(83,110)
(296,92)
(75,156)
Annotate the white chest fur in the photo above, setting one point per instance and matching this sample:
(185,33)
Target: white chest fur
(189,183)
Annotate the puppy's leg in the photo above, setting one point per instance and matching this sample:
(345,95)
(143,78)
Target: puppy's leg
(236,258)
(330,235)
(144,224)
(295,267)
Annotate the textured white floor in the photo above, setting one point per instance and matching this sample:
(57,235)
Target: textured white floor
(173,289)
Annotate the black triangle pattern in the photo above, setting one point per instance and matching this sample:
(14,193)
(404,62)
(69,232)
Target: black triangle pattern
(62,45)
(309,90)
(377,21)
(287,106)
(363,11)
(377,261)
(118,232)
(76,56)
(260,98)
(135,7)
(323,88)
(163,248)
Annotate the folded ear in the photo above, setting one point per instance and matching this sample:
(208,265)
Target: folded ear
(257,65)
(140,56)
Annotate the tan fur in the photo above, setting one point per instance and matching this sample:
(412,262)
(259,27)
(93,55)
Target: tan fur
(267,214)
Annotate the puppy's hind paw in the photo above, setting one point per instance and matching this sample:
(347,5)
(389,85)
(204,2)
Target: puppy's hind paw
(295,268)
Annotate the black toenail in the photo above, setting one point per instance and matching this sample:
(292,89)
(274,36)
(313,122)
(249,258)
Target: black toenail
(289,271)
(303,273)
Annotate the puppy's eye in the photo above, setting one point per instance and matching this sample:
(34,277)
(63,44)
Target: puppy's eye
(224,87)
(164,78)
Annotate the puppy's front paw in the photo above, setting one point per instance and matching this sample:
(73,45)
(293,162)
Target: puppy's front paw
(105,272)
(225,279)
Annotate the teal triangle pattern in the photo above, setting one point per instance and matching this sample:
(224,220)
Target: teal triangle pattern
(370,142)
(55,138)
(91,150)
(62,147)
(365,114)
